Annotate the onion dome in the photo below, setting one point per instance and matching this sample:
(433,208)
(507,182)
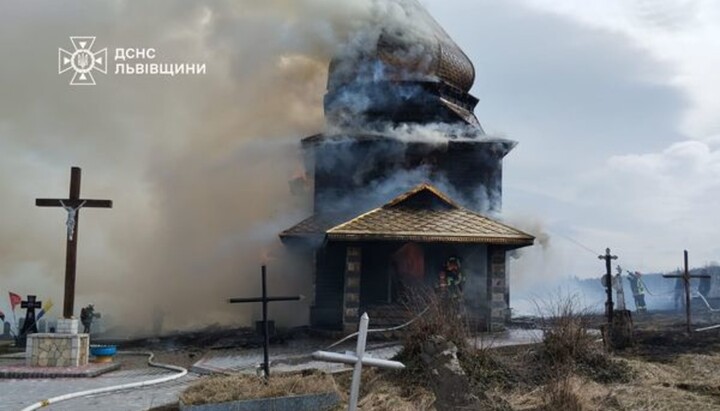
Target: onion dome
(411,71)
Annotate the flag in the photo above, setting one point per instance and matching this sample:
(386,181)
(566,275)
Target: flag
(46,308)
(15,300)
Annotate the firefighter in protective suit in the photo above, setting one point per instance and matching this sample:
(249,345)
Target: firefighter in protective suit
(638,290)
(452,278)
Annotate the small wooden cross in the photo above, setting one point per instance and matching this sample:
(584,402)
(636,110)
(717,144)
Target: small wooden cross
(686,276)
(608,283)
(265,300)
(358,359)
(72,205)
(30,324)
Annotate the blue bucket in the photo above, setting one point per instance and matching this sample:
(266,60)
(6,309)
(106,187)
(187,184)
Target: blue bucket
(103,350)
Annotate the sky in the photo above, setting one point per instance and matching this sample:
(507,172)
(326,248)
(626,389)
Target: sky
(613,103)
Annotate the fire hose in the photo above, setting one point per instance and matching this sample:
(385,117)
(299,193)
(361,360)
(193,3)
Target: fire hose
(712,310)
(707,304)
(181,372)
(655,295)
(379,330)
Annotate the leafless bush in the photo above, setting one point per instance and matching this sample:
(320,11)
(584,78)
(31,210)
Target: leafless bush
(440,315)
(561,395)
(566,336)
(569,346)
(435,314)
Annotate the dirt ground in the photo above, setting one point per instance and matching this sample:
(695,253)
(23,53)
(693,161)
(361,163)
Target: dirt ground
(665,370)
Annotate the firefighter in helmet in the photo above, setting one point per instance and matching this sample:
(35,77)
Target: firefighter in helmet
(451,277)
(638,290)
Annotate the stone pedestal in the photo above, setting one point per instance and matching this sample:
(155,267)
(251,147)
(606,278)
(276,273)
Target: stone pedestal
(65,348)
(67,326)
(619,335)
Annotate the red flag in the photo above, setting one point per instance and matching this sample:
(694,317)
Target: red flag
(15,300)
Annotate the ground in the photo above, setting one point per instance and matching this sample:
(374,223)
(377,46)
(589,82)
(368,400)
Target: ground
(665,370)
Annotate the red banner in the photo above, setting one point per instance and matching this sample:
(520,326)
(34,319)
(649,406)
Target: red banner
(15,300)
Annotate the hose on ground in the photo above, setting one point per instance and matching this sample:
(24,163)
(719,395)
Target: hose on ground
(378,330)
(181,372)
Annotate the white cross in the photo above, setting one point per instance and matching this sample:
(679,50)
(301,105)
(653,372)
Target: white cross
(357,359)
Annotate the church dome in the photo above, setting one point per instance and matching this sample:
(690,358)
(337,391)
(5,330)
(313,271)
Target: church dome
(440,59)
(402,68)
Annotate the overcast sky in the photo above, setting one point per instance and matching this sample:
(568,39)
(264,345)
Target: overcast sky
(616,107)
(614,103)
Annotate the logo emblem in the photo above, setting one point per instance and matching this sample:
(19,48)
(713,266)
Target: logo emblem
(82,61)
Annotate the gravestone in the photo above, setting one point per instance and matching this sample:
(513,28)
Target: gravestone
(29,323)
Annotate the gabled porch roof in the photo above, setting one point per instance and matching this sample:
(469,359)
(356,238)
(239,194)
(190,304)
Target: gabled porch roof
(423,214)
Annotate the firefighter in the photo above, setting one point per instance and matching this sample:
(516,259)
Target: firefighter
(451,277)
(87,314)
(638,291)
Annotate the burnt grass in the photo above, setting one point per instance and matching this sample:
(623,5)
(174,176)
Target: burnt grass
(662,337)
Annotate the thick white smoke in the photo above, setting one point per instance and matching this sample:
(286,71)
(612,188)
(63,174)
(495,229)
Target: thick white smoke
(197,166)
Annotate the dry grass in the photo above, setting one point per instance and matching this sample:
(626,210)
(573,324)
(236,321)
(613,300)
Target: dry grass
(445,317)
(390,397)
(566,330)
(441,317)
(688,382)
(569,347)
(561,394)
(380,390)
(218,389)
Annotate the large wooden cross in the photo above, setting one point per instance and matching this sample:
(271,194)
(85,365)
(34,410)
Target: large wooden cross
(72,205)
(265,300)
(686,276)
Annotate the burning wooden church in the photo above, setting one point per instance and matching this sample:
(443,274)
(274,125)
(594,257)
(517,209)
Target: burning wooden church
(404,180)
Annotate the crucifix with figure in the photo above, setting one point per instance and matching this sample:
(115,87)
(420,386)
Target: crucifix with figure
(72,206)
(686,276)
(265,300)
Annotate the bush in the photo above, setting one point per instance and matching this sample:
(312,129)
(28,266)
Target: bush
(566,336)
(434,315)
(568,346)
(560,395)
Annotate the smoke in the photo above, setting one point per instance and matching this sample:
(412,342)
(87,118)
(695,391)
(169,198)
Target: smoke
(197,166)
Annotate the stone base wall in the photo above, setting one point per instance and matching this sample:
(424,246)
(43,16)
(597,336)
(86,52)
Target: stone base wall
(497,289)
(351,298)
(57,350)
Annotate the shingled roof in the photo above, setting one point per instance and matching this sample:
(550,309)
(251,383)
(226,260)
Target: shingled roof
(423,214)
